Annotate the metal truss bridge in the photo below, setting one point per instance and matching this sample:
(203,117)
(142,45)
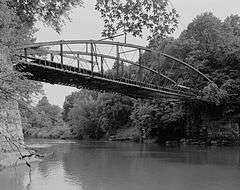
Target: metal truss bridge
(108,66)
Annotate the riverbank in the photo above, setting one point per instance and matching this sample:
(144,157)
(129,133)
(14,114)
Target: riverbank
(131,134)
(12,159)
(54,132)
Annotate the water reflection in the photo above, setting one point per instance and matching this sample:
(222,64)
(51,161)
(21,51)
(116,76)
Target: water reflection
(120,166)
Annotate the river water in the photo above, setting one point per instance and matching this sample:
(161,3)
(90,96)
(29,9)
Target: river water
(76,165)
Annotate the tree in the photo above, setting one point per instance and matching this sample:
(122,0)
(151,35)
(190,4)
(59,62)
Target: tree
(95,115)
(162,120)
(114,111)
(212,46)
(14,85)
(145,117)
(50,12)
(84,119)
(52,111)
(133,16)
(130,16)
(74,98)
(206,29)
(45,115)
(232,25)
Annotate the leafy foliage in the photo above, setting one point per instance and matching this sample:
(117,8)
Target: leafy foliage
(213,94)
(158,119)
(212,46)
(114,112)
(45,121)
(74,98)
(50,12)
(45,114)
(93,116)
(83,118)
(12,33)
(133,16)
(146,117)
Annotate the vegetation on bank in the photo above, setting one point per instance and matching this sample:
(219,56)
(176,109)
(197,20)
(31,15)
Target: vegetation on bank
(208,43)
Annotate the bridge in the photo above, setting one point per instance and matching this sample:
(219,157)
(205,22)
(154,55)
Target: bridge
(109,66)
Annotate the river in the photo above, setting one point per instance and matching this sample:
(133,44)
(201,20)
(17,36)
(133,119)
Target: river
(76,165)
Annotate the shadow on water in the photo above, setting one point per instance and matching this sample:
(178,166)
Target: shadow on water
(119,166)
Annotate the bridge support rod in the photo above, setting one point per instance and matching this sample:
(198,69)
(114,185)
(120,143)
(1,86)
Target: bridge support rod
(25,53)
(78,62)
(118,56)
(140,66)
(86,47)
(52,57)
(92,66)
(122,67)
(102,65)
(61,53)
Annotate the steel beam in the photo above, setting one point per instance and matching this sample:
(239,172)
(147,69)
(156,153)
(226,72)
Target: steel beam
(52,43)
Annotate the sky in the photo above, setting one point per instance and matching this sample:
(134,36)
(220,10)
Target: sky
(87,24)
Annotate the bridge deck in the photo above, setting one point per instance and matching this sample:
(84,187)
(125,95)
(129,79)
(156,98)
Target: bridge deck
(55,73)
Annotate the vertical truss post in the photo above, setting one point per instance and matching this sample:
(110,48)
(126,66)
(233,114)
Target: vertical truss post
(25,53)
(122,67)
(52,57)
(118,56)
(140,66)
(78,62)
(102,65)
(61,54)
(92,66)
(86,47)
(96,58)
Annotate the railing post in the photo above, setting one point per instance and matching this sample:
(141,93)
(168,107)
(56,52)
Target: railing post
(86,47)
(78,62)
(102,65)
(122,67)
(118,56)
(61,53)
(92,66)
(52,57)
(140,66)
(25,53)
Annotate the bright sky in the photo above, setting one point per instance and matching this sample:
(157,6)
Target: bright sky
(87,24)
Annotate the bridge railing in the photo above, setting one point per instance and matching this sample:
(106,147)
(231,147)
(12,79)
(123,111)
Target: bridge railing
(119,61)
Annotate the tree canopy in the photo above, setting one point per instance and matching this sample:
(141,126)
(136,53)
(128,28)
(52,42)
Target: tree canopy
(133,16)
(119,16)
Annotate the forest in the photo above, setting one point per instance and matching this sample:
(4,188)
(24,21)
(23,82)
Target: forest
(209,44)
